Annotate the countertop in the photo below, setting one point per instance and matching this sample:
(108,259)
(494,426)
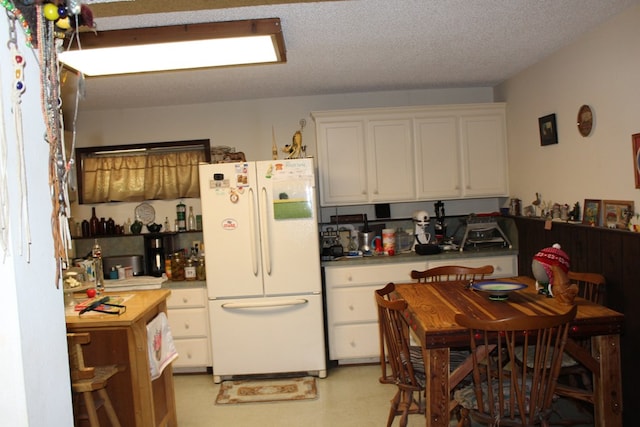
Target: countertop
(413,257)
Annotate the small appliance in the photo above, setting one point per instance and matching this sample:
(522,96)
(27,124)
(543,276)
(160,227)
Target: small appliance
(440,227)
(421,225)
(155,256)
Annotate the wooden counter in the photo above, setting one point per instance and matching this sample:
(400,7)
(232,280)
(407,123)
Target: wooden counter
(122,339)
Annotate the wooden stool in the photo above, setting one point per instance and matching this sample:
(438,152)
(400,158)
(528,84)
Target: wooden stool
(85,380)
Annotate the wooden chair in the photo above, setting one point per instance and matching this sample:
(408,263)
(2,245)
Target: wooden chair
(85,380)
(407,371)
(504,393)
(591,287)
(448,273)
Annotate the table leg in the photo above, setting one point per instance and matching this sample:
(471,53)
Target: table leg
(608,384)
(436,364)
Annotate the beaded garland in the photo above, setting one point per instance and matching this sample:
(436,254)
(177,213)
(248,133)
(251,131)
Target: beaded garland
(11,8)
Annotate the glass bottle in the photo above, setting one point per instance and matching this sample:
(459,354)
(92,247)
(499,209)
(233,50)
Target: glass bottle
(177,266)
(96,254)
(167,225)
(190,270)
(192,219)
(181,210)
(94,223)
(201,271)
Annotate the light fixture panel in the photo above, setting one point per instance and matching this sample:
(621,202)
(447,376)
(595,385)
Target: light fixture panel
(177,48)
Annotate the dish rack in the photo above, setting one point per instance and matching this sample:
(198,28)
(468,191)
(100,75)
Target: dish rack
(482,231)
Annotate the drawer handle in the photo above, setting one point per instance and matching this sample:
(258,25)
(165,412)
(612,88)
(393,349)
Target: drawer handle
(188,355)
(186,326)
(185,300)
(352,343)
(351,307)
(350,278)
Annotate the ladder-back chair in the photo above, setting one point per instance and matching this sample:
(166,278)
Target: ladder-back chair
(448,273)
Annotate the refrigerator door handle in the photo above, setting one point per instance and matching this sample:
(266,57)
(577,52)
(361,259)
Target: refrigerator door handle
(254,233)
(265,304)
(264,226)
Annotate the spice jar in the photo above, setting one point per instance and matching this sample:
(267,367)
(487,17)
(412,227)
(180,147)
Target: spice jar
(177,267)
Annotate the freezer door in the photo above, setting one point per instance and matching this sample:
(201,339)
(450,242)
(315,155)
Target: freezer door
(231,231)
(267,335)
(289,227)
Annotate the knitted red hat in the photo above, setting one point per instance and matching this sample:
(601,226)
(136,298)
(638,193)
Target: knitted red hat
(552,256)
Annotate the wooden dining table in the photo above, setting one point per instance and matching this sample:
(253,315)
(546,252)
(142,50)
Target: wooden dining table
(431,314)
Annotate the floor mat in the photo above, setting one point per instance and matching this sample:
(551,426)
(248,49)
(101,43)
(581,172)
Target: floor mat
(268,390)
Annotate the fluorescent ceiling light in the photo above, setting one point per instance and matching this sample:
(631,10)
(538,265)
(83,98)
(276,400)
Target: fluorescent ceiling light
(177,47)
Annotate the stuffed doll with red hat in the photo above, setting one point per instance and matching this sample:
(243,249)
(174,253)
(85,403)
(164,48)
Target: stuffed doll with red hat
(541,267)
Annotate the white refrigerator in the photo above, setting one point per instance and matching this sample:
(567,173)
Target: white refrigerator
(264,285)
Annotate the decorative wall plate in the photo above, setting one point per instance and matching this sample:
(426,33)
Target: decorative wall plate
(585,120)
(145,213)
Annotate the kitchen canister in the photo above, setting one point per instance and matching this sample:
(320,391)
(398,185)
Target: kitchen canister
(389,241)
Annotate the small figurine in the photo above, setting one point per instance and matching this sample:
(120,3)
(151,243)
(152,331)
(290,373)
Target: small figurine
(541,268)
(294,150)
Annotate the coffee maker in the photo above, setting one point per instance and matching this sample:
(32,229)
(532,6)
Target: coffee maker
(440,227)
(154,255)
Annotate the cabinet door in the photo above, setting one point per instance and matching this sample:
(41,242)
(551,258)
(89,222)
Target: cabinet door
(342,162)
(391,159)
(483,139)
(438,158)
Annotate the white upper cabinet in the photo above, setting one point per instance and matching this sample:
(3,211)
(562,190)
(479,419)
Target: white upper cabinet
(411,154)
(390,156)
(342,162)
(437,157)
(484,150)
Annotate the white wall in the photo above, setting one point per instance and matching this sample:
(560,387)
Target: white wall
(245,125)
(601,70)
(34,369)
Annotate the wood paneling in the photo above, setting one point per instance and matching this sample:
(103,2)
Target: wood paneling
(612,253)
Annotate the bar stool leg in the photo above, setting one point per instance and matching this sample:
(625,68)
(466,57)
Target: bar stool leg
(108,407)
(91,409)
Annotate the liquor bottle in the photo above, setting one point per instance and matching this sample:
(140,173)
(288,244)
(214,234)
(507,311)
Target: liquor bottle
(94,223)
(96,254)
(167,225)
(181,216)
(192,219)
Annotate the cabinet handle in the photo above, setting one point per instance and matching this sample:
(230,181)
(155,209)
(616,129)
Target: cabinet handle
(352,343)
(350,278)
(185,300)
(186,326)
(375,191)
(188,355)
(351,307)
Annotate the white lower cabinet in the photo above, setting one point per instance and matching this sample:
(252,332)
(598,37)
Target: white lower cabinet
(352,317)
(189,323)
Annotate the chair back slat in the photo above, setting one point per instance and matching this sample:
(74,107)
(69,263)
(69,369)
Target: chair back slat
(522,395)
(591,286)
(447,273)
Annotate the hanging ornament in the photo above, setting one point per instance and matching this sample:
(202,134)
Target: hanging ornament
(50,12)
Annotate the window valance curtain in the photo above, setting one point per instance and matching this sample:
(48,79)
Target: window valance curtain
(137,177)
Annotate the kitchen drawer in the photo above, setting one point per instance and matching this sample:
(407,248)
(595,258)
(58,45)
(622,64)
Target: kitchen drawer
(348,305)
(354,341)
(192,352)
(190,322)
(371,274)
(185,298)
(503,266)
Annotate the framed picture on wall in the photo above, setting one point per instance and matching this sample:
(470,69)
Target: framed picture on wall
(548,130)
(591,215)
(635,140)
(617,213)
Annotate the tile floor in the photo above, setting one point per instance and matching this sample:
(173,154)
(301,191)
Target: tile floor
(350,396)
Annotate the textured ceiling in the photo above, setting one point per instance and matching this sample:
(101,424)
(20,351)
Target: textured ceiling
(354,46)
